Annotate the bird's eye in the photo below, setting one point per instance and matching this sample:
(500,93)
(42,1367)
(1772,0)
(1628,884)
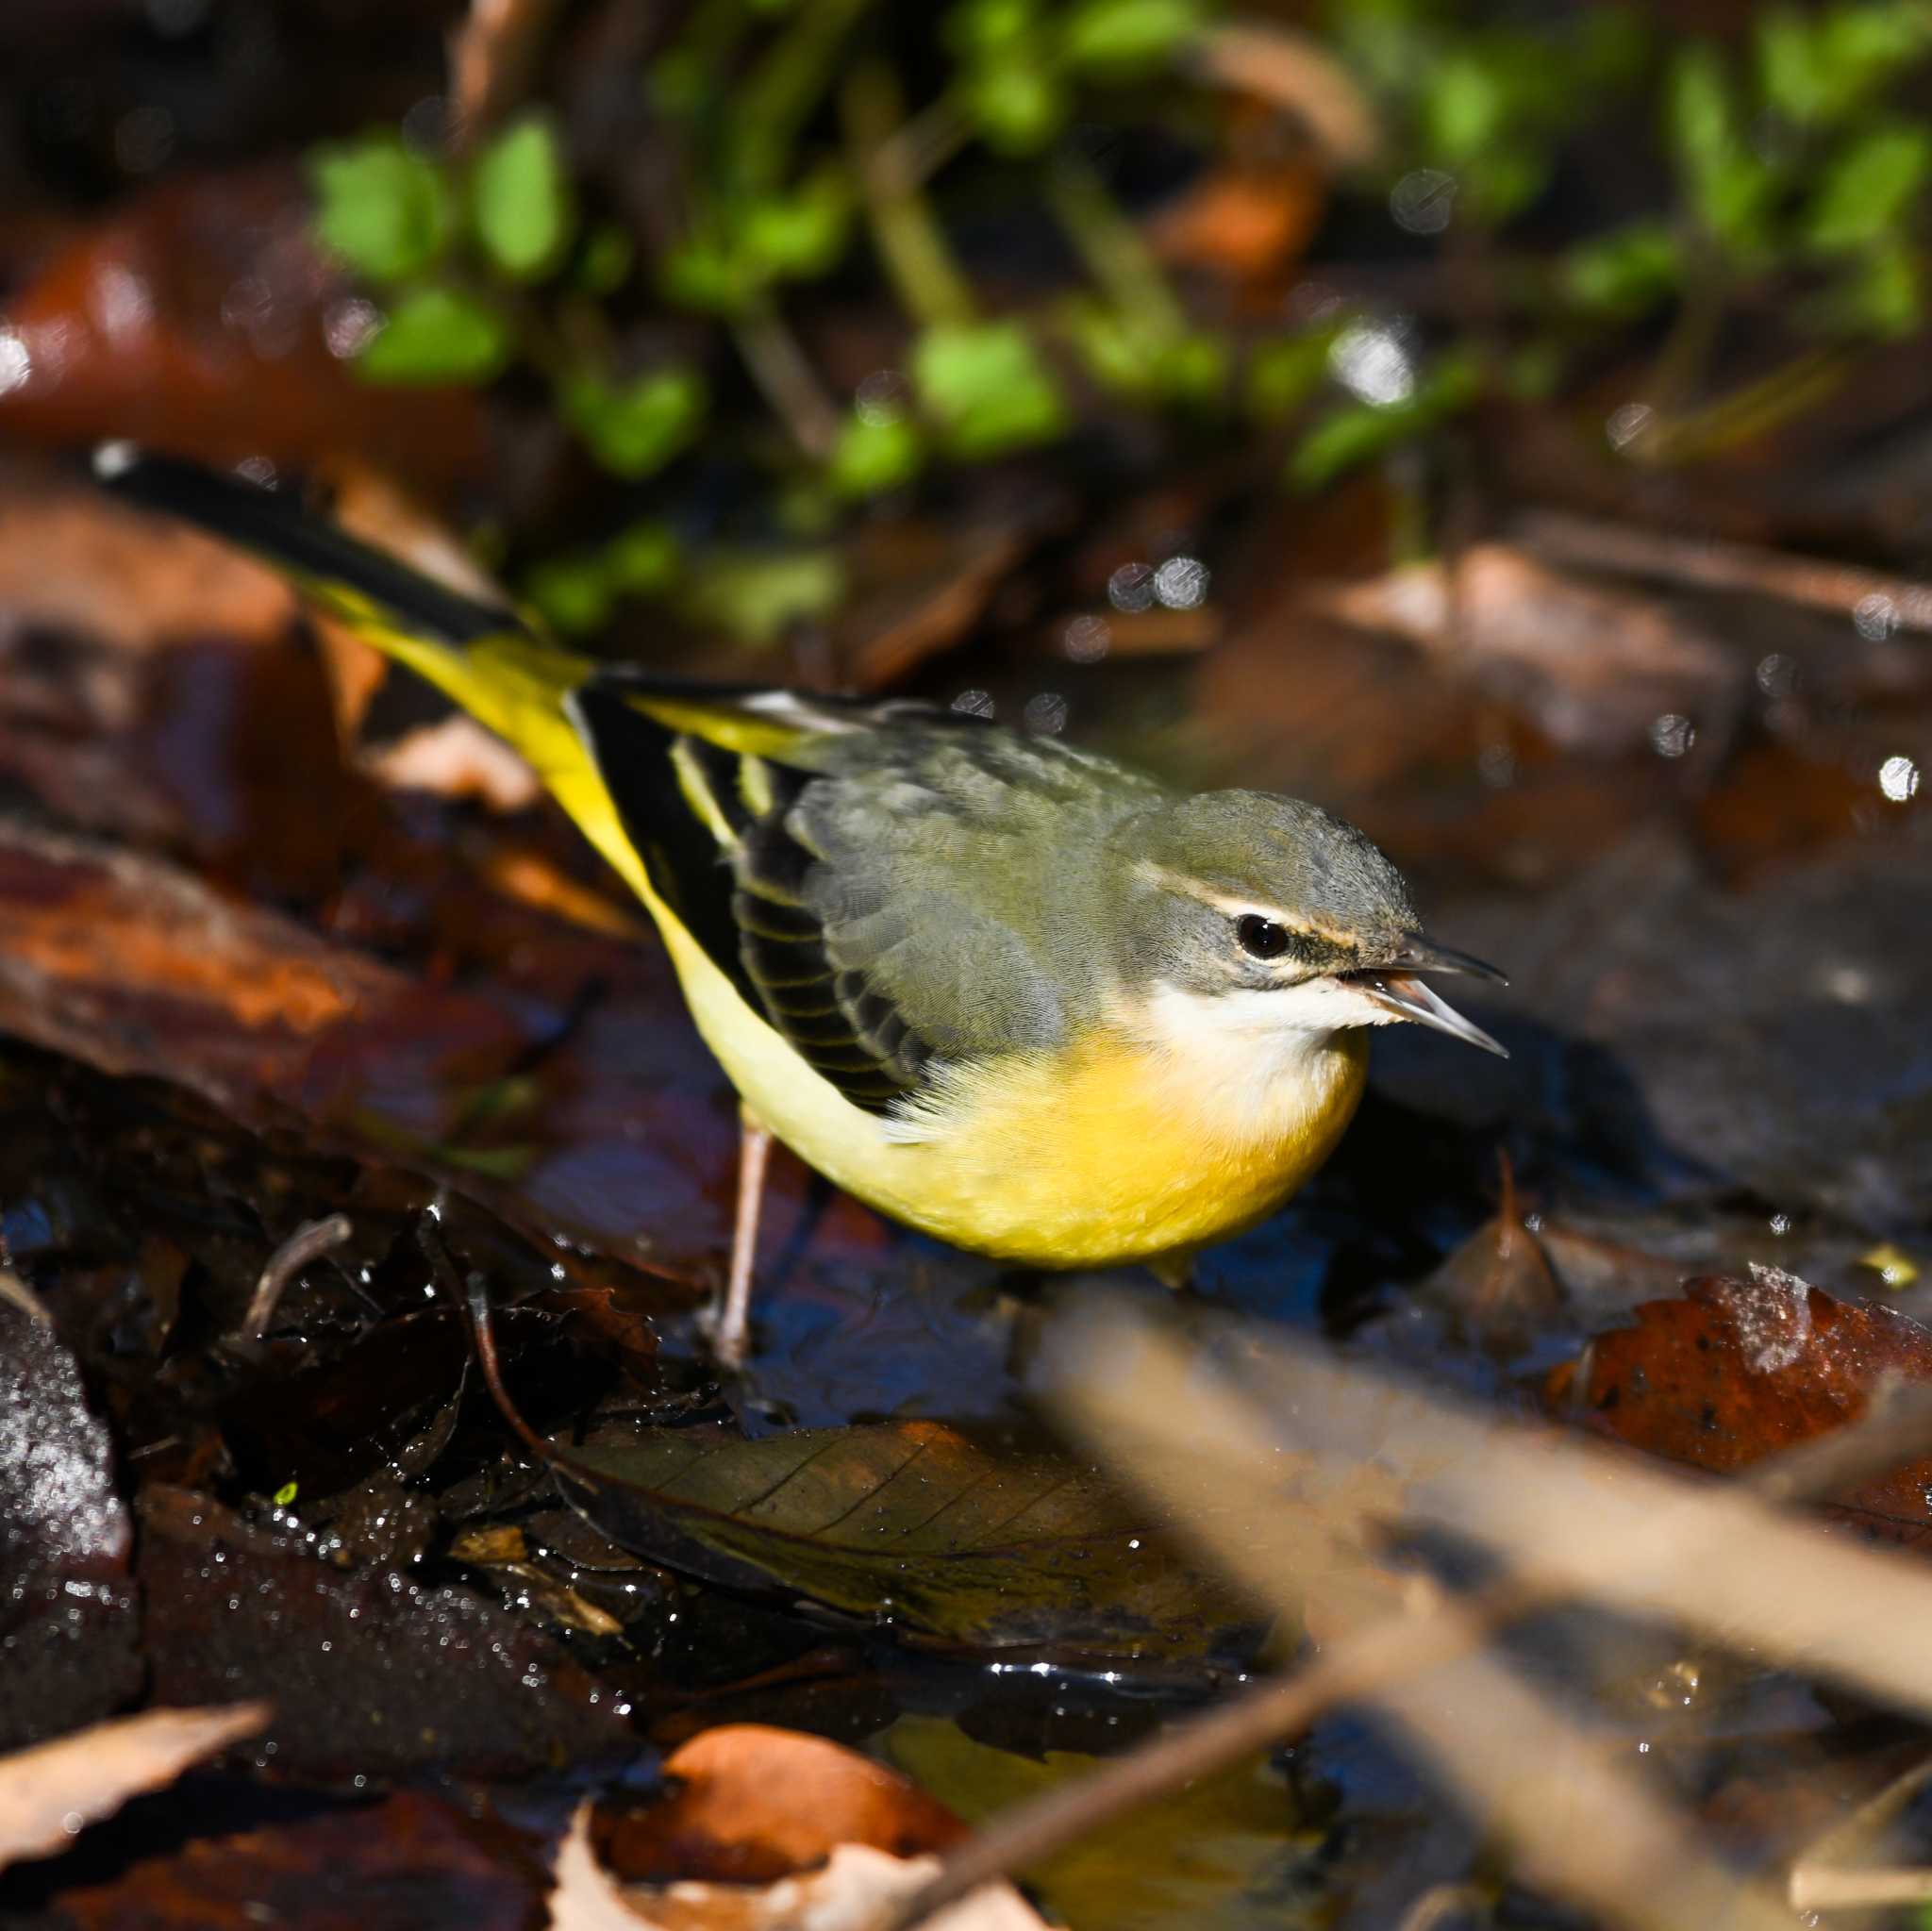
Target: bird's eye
(1262,937)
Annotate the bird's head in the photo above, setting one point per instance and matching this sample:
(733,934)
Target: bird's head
(1257,917)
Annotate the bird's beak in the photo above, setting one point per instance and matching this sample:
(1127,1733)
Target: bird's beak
(1419,955)
(1406,997)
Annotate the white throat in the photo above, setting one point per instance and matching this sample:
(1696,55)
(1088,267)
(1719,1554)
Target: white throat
(1254,1064)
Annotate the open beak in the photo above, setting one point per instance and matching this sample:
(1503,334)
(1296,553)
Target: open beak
(1397,990)
(1419,955)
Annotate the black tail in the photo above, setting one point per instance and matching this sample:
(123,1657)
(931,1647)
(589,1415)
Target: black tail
(272,525)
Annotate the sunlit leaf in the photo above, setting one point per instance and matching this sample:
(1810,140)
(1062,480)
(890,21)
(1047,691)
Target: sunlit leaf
(642,559)
(1626,271)
(1356,432)
(874,454)
(757,595)
(634,427)
(573,593)
(1869,189)
(1214,1852)
(525,209)
(438,334)
(1018,103)
(802,233)
(1731,187)
(380,206)
(987,388)
(1124,37)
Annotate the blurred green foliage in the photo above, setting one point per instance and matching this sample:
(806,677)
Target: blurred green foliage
(813,145)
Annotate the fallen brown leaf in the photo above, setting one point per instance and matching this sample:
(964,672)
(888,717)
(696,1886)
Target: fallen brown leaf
(50,1794)
(850,1891)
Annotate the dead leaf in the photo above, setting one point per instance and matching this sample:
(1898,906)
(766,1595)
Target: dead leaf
(1737,1370)
(850,1892)
(198,317)
(1593,665)
(750,1803)
(50,1794)
(914,1525)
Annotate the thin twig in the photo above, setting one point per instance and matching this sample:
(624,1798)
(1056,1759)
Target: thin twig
(1808,580)
(1348,1670)
(1822,1888)
(492,54)
(16,1293)
(308,1243)
(1896,1427)
(787,380)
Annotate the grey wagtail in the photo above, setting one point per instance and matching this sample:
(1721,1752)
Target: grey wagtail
(997,987)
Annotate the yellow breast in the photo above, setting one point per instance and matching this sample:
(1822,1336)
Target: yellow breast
(1120,1151)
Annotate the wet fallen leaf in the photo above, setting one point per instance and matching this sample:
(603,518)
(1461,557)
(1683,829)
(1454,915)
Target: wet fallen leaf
(51,1792)
(1220,1851)
(68,1618)
(200,317)
(914,1526)
(410,1863)
(1737,1370)
(1595,666)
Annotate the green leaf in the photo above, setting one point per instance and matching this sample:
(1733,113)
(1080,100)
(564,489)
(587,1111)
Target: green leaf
(1125,352)
(1283,373)
(979,29)
(1731,188)
(573,593)
(380,206)
(642,560)
(438,334)
(1017,103)
(1356,432)
(522,200)
(637,426)
(986,386)
(757,595)
(1789,72)
(1625,273)
(1210,1852)
(706,274)
(1859,49)
(1463,108)
(1506,180)
(1869,189)
(803,233)
(874,454)
(1884,294)
(1119,39)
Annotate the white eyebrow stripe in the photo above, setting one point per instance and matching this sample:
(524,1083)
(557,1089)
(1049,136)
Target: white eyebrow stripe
(1168,880)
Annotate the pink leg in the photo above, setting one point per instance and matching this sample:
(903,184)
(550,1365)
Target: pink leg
(730,1322)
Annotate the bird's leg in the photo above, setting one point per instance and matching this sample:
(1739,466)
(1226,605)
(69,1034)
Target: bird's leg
(730,1321)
